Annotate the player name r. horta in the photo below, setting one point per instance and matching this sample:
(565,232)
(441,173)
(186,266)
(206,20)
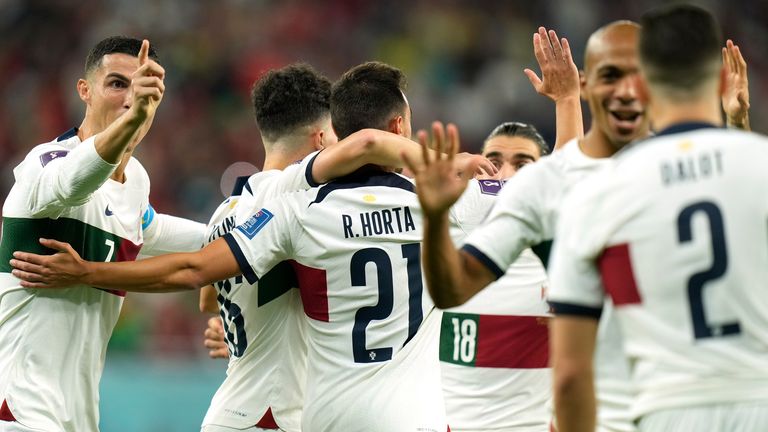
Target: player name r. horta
(702,166)
(378,222)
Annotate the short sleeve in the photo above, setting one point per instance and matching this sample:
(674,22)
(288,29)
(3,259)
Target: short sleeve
(263,240)
(514,223)
(575,285)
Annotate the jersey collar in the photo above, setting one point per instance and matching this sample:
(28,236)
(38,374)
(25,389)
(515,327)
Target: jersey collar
(67,135)
(685,127)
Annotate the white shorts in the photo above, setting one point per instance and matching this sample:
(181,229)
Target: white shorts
(737,417)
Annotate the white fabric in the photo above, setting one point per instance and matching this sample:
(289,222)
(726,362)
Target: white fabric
(482,397)
(689,208)
(526,214)
(53,342)
(269,373)
(362,377)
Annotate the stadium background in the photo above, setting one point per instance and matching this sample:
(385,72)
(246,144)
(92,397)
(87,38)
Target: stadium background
(464,62)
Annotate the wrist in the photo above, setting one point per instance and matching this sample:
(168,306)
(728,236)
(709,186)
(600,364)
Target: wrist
(570,99)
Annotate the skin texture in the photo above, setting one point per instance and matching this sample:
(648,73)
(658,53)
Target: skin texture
(612,86)
(510,153)
(559,81)
(124,88)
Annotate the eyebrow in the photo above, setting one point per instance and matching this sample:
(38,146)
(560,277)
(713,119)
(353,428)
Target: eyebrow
(497,154)
(118,76)
(523,156)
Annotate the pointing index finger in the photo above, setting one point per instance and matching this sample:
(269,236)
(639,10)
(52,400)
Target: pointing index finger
(144,52)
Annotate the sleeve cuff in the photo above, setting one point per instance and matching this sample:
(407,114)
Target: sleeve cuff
(92,156)
(559,308)
(242,262)
(484,259)
(308,173)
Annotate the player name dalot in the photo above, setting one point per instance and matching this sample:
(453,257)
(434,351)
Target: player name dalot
(692,168)
(378,222)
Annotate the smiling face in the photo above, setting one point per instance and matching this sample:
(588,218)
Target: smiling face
(105,90)
(612,85)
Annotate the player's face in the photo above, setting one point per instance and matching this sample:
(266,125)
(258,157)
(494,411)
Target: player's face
(108,89)
(510,153)
(613,88)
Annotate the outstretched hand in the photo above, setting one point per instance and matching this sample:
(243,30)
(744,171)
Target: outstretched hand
(437,184)
(214,339)
(559,74)
(147,86)
(64,268)
(735,97)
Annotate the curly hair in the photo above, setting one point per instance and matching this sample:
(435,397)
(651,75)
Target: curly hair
(290,97)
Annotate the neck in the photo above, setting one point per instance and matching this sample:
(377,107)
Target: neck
(665,113)
(87,129)
(595,144)
(280,154)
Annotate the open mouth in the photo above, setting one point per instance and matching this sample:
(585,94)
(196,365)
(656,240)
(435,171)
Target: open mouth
(626,120)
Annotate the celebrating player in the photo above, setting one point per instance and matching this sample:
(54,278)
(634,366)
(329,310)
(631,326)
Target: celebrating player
(84,187)
(494,349)
(672,232)
(355,243)
(529,204)
(264,331)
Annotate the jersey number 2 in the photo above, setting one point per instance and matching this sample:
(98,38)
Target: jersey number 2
(696,284)
(382,309)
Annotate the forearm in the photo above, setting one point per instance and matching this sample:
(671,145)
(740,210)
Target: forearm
(569,122)
(368,146)
(443,264)
(112,142)
(166,273)
(208,301)
(575,405)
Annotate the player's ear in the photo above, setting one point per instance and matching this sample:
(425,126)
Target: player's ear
(83,90)
(396,125)
(582,84)
(318,139)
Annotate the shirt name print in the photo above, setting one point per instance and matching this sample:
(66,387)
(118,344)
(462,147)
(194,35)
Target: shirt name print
(378,222)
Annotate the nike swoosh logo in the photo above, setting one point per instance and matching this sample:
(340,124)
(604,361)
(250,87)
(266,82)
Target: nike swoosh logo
(108,212)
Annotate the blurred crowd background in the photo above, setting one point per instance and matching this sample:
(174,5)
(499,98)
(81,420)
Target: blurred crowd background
(464,61)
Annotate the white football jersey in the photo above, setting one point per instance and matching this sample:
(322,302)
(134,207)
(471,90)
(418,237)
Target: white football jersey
(674,231)
(494,349)
(263,322)
(373,330)
(53,342)
(525,216)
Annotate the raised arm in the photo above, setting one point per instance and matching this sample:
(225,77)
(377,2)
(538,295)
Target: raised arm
(559,81)
(377,147)
(173,272)
(452,276)
(147,90)
(736,93)
(70,181)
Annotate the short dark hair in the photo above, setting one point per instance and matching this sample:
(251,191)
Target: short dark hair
(367,96)
(286,98)
(680,46)
(523,130)
(115,45)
